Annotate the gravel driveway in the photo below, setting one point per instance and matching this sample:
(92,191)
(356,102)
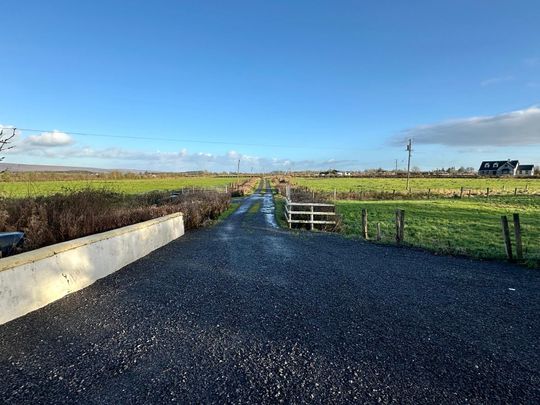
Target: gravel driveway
(243,312)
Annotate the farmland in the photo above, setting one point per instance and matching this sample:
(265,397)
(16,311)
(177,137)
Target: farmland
(460,226)
(417,184)
(31,188)
(469,227)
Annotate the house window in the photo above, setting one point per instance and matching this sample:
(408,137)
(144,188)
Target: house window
(495,165)
(486,165)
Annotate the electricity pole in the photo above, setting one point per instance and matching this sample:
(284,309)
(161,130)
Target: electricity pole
(238,173)
(396,166)
(409,149)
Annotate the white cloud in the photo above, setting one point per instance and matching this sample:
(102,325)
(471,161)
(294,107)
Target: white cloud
(48,139)
(58,147)
(515,128)
(163,160)
(496,80)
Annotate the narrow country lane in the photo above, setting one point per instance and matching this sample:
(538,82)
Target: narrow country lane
(245,312)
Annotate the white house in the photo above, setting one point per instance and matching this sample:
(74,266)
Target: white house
(525,170)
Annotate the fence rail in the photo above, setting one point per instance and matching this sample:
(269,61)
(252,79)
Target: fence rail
(291,213)
(428,193)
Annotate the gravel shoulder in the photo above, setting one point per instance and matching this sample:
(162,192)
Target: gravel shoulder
(245,312)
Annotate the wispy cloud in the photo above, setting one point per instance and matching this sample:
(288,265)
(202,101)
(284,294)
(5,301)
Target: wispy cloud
(496,80)
(515,128)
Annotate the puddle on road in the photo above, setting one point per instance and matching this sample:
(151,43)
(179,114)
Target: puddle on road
(268,210)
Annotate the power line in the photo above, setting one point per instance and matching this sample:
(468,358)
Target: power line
(147,138)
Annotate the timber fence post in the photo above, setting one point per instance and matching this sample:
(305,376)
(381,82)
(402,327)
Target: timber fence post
(398,226)
(364,224)
(506,237)
(517,234)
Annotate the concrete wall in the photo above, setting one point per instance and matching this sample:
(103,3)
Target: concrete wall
(31,280)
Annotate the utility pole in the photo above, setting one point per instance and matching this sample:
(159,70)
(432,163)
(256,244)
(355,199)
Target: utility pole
(396,166)
(238,173)
(409,149)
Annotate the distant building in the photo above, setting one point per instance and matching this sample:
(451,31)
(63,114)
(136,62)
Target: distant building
(505,168)
(334,173)
(525,170)
(498,168)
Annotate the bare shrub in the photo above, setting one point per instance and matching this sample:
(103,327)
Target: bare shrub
(246,187)
(61,217)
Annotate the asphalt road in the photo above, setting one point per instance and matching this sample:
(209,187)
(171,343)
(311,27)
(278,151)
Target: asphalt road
(243,312)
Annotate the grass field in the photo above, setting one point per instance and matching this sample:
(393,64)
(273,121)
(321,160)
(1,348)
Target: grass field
(127,186)
(420,184)
(470,226)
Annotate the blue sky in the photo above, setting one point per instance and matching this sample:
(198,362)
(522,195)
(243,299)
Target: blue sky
(280,84)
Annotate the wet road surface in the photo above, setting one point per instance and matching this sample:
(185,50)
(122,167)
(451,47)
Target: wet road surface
(244,312)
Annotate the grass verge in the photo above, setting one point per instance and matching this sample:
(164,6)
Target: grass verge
(229,211)
(279,203)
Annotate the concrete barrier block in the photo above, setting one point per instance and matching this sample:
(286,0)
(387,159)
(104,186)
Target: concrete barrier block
(31,280)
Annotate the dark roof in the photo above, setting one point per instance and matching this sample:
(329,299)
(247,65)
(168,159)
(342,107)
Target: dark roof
(333,171)
(513,163)
(526,167)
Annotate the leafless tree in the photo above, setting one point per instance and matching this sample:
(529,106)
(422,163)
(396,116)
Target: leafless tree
(5,140)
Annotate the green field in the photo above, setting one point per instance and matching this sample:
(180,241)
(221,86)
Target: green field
(470,227)
(128,186)
(417,184)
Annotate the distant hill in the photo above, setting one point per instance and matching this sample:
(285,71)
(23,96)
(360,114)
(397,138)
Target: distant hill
(19,167)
